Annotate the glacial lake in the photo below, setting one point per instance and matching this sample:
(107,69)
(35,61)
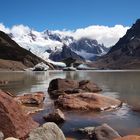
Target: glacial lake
(123,85)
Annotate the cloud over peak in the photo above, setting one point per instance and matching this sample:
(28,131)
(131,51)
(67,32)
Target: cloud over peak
(103,34)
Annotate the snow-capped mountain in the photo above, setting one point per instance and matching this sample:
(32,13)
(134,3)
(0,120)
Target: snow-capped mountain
(44,44)
(87,48)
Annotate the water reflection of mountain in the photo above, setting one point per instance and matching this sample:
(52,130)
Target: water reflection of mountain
(19,82)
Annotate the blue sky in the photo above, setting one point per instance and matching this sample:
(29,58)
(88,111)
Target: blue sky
(68,14)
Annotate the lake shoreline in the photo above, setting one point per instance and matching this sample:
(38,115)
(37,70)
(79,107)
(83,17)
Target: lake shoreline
(114,84)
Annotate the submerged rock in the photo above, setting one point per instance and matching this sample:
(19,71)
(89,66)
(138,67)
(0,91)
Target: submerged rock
(87,101)
(35,98)
(13,122)
(49,131)
(56,116)
(129,137)
(88,131)
(105,132)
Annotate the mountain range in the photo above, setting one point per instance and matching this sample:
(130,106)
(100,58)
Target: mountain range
(49,45)
(32,47)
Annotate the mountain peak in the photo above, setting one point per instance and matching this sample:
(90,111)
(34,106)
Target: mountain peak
(126,52)
(138,21)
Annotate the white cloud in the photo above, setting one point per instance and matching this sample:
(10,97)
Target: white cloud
(103,34)
(3,28)
(20,30)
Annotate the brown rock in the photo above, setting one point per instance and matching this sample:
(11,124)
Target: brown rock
(89,86)
(56,116)
(105,132)
(87,101)
(13,122)
(129,137)
(60,86)
(31,98)
(32,109)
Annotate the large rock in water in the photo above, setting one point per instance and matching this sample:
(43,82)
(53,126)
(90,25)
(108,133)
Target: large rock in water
(56,116)
(129,137)
(59,87)
(49,131)
(87,101)
(105,132)
(13,122)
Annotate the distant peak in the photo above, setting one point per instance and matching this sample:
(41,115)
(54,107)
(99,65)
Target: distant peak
(136,24)
(138,21)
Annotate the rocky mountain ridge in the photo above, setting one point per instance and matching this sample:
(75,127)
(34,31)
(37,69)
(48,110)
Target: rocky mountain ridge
(14,57)
(125,54)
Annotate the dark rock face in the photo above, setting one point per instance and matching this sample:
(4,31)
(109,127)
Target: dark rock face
(82,45)
(65,53)
(86,101)
(58,87)
(132,35)
(13,122)
(89,46)
(126,52)
(56,116)
(62,84)
(10,50)
(105,132)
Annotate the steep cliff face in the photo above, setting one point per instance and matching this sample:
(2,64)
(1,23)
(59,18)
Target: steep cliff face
(89,49)
(125,54)
(65,53)
(11,51)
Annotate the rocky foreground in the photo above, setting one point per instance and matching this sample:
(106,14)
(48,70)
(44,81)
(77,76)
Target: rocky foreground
(17,123)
